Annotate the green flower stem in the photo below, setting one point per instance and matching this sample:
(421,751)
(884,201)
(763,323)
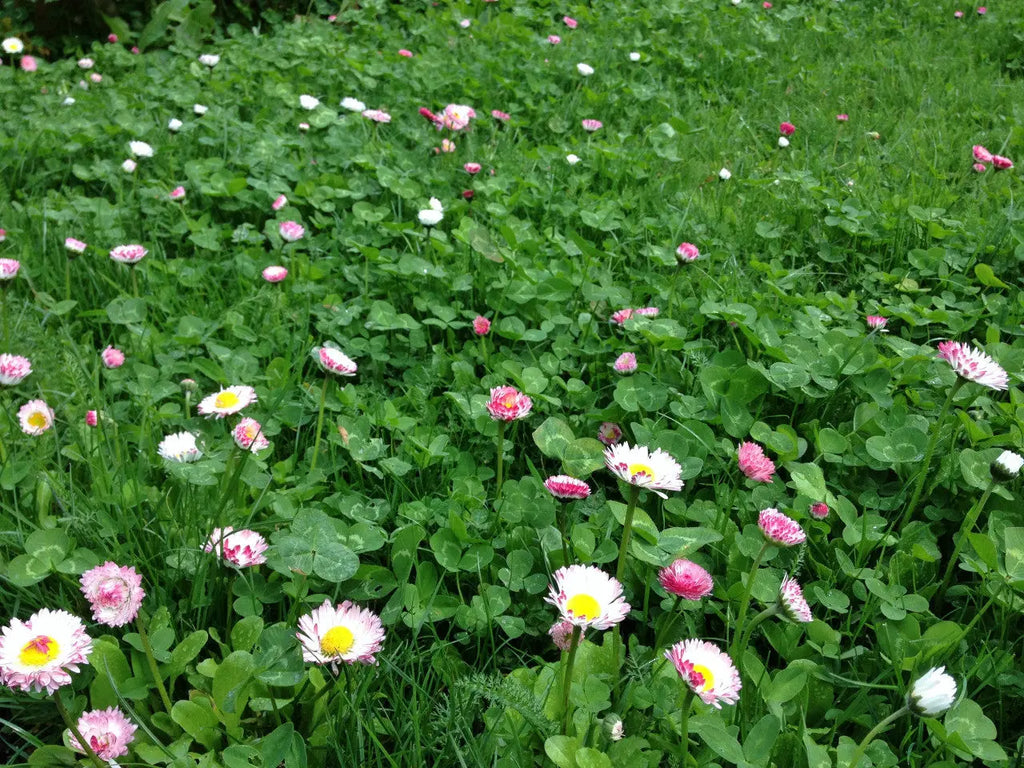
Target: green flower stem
(627,531)
(73,726)
(768,612)
(567,679)
(919,486)
(965,528)
(862,747)
(140,624)
(673,615)
(560,515)
(484,351)
(135,282)
(745,604)
(501,458)
(684,727)
(319,424)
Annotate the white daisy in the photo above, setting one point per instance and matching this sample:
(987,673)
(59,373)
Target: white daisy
(588,597)
(348,633)
(638,466)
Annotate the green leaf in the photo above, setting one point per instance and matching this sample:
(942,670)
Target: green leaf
(25,570)
(582,457)
(807,479)
(112,671)
(48,546)
(186,651)
(561,750)
(987,277)
(588,757)
(721,740)
(198,720)
(553,437)
(904,445)
(126,311)
(757,746)
(1013,538)
(232,676)
(789,682)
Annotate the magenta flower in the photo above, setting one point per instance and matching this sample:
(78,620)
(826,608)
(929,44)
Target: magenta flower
(9,268)
(787,129)
(377,115)
(686,579)
(1001,163)
(481,325)
(754,464)
(28,64)
(405,53)
(240,548)
(107,731)
(280,202)
(591,125)
(13,368)
(958,14)
(76,246)
(114,592)
(472,168)
(497,114)
(570,22)
(567,487)
(112,357)
(982,10)
(979,167)
(291,231)
(335,361)
(973,364)
(842,117)
(609,433)
(707,670)
(128,254)
(647,311)
(981,154)
(780,529)
(876,322)
(91,419)
(794,606)
(248,435)
(508,404)
(39,654)
(561,634)
(819,509)
(456,117)
(687,252)
(621,316)
(554,39)
(625,363)
(275,274)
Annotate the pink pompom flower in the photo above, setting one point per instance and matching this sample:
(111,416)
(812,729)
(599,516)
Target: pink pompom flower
(112,357)
(75,246)
(554,39)
(28,64)
(114,592)
(108,732)
(958,14)
(687,252)
(9,268)
(567,487)
(876,322)
(91,418)
(570,22)
(780,529)
(561,634)
(982,10)
(973,365)
(981,154)
(1001,163)
(275,274)
(248,435)
(686,579)
(472,168)
(842,117)
(128,254)
(377,115)
(481,325)
(242,549)
(625,363)
(787,128)
(280,202)
(335,361)
(456,117)
(39,654)
(791,599)
(754,464)
(508,404)
(622,315)
(591,125)
(497,114)
(13,369)
(819,509)
(291,231)
(979,167)
(405,53)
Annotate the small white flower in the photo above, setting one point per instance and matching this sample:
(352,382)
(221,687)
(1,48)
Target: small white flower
(308,102)
(86,63)
(180,447)
(435,204)
(617,731)
(303,127)
(634,56)
(725,174)
(353,105)
(736,2)
(1008,464)
(174,124)
(12,45)
(140,149)
(572,159)
(783,141)
(584,69)
(430,217)
(209,59)
(932,693)
(199,109)
(465,23)
(68,101)
(128,166)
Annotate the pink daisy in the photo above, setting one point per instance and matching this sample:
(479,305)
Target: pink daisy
(794,606)
(591,125)
(754,464)
(481,325)
(819,509)
(335,361)
(508,404)
(242,549)
(291,231)
(112,357)
(567,487)
(876,322)
(76,246)
(609,433)
(13,369)
(128,254)
(39,654)
(707,670)
(687,252)
(981,154)
(780,529)
(787,129)
(248,435)
(561,634)
(114,592)
(625,363)
(275,274)
(9,268)
(346,633)
(973,364)
(107,732)
(686,579)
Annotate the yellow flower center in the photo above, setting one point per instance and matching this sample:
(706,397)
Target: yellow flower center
(39,651)
(37,420)
(226,400)
(640,470)
(583,606)
(509,401)
(337,641)
(709,678)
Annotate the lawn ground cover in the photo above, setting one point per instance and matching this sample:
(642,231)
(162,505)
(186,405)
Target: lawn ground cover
(513,384)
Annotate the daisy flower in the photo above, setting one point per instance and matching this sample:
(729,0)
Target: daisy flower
(780,529)
(876,322)
(335,361)
(39,654)
(75,246)
(754,464)
(973,364)
(9,268)
(35,417)
(112,357)
(240,548)
(656,471)
(932,693)
(687,252)
(707,670)
(227,402)
(609,433)
(140,149)
(114,592)
(508,404)
(561,634)
(275,274)
(481,325)
(13,368)
(291,231)
(180,447)
(342,633)
(128,254)
(248,435)
(625,363)
(1007,465)
(686,579)
(107,731)
(794,606)
(567,487)
(588,597)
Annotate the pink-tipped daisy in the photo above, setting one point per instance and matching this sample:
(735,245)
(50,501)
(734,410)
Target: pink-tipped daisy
(508,404)
(780,529)
(75,246)
(114,592)
(228,401)
(876,322)
(243,548)
(625,363)
(973,364)
(791,599)
(588,597)
(107,732)
(335,361)
(981,154)
(591,125)
(291,231)
(481,325)
(13,369)
(1001,163)
(622,315)
(638,466)
(9,268)
(754,464)
(707,670)
(343,633)
(686,579)
(609,433)
(112,357)
(819,509)
(275,274)
(35,417)
(280,202)
(248,435)
(180,448)
(39,654)
(128,254)
(567,487)
(561,634)
(687,252)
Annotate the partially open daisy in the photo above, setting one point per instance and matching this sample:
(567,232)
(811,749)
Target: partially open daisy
(567,487)
(114,592)
(107,731)
(240,548)
(707,670)
(128,254)
(655,471)
(13,368)
(794,606)
(780,529)
(332,634)
(932,693)
(754,464)
(248,435)
(39,654)
(180,447)
(335,361)
(588,597)
(686,579)
(35,417)
(226,402)
(508,404)
(973,364)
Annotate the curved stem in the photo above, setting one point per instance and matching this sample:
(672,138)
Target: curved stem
(140,624)
(73,727)
(862,747)
(768,612)
(501,458)
(567,679)
(965,528)
(745,604)
(919,486)
(673,615)
(684,726)
(319,425)
(627,531)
